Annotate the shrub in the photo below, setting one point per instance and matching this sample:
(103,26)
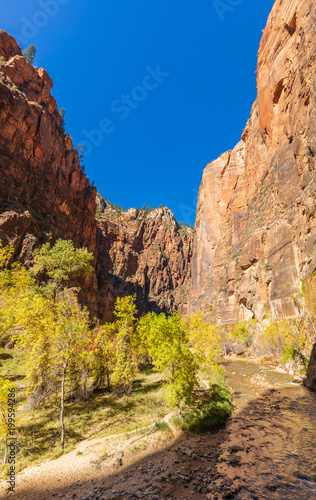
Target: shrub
(210,413)
(241,333)
(285,339)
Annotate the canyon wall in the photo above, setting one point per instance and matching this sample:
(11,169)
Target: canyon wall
(255,231)
(44,195)
(144,253)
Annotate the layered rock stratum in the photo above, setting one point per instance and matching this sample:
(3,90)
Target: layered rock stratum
(45,195)
(255,231)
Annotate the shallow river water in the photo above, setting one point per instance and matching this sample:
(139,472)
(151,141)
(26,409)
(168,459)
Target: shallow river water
(271,449)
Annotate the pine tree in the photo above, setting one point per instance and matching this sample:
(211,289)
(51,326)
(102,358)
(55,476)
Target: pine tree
(81,149)
(30,54)
(62,113)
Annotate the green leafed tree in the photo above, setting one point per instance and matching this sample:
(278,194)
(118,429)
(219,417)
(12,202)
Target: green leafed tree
(61,262)
(30,54)
(167,344)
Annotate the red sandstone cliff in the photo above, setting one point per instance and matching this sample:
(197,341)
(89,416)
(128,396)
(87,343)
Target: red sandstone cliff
(45,195)
(146,253)
(43,192)
(255,230)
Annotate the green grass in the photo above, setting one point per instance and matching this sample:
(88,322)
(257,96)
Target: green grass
(163,426)
(11,364)
(211,409)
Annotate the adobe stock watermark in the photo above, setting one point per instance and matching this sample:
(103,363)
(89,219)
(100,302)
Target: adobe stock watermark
(122,108)
(48,9)
(222,7)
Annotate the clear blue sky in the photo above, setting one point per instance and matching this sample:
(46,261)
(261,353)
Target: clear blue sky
(156,131)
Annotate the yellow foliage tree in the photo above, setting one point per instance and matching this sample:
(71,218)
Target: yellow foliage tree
(204,338)
(284,339)
(56,338)
(104,355)
(126,343)
(54,334)
(5,255)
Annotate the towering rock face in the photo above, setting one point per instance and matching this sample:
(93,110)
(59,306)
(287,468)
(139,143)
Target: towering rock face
(44,195)
(255,231)
(145,253)
(43,192)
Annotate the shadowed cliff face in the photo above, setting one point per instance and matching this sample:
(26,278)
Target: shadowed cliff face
(143,253)
(44,195)
(255,229)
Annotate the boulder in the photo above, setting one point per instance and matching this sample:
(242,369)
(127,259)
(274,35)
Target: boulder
(310,380)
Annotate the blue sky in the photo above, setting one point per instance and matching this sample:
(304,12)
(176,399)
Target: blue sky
(156,89)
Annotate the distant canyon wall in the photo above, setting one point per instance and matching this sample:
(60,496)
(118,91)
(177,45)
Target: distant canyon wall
(144,253)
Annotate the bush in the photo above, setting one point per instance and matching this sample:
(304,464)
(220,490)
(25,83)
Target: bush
(241,332)
(285,339)
(210,413)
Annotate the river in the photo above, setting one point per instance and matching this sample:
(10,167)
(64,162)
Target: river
(271,448)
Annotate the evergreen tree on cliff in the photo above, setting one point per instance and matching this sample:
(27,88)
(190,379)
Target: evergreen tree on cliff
(30,54)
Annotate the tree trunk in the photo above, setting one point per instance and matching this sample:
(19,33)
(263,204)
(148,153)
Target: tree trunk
(108,379)
(5,454)
(179,410)
(84,388)
(312,323)
(62,405)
